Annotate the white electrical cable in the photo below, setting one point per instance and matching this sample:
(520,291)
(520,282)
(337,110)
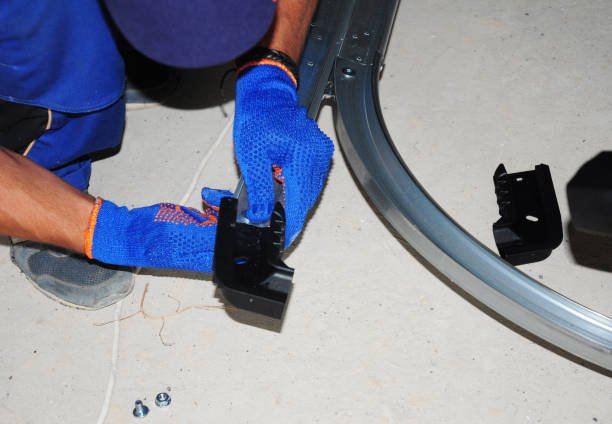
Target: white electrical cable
(113,371)
(110,386)
(205,160)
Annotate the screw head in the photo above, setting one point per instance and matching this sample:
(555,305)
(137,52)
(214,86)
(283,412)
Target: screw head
(140,410)
(162,399)
(348,71)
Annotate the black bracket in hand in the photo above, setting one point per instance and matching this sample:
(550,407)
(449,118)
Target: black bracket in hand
(247,265)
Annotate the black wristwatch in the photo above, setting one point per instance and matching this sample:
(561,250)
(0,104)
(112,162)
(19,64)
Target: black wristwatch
(257,54)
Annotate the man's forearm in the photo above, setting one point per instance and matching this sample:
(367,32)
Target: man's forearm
(37,205)
(290,27)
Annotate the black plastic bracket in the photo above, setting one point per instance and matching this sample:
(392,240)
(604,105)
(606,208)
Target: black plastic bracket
(589,194)
(247,265)
(530,224)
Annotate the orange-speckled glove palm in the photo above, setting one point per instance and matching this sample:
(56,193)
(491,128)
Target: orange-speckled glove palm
(158,236)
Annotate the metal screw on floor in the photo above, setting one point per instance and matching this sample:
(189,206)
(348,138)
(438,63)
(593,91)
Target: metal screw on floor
(140,410)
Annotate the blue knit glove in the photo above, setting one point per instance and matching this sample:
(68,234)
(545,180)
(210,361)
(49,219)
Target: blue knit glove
(270,129)
(158,236)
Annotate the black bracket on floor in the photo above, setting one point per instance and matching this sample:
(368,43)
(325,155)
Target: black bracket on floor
(247,264)
(530,224)
(589,194)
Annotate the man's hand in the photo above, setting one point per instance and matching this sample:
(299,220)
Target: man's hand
(270,129)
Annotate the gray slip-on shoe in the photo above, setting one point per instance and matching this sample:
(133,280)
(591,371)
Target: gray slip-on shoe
(69,278)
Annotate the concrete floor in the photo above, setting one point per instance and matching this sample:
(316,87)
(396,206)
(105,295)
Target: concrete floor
(371,334)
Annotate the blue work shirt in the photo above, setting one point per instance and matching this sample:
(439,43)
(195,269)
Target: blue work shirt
(59,55)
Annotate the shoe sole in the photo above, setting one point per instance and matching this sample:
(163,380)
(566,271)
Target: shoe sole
(74,305)
(92,302)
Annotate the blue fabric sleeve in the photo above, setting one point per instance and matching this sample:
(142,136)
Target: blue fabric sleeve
(58,55)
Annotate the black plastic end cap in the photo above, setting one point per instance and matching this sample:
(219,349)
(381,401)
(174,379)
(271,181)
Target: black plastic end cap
(589,194)
(247,265)
(530,224)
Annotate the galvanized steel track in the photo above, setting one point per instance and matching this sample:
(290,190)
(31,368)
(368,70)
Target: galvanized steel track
(343,58)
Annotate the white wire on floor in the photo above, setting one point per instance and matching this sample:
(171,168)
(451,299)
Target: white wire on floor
(204,162)
(110,386)
(113,370)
